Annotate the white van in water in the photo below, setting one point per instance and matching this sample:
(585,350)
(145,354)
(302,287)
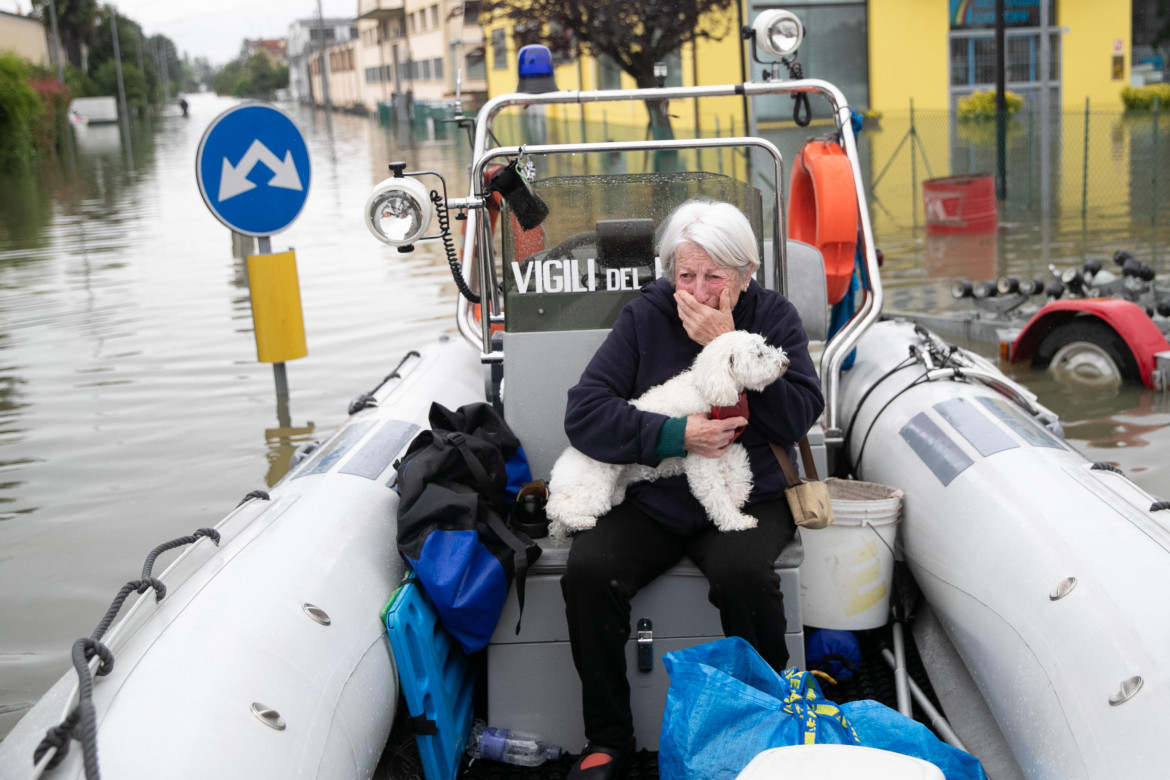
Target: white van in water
(96,110)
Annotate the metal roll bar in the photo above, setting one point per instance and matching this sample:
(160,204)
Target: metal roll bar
(477,232)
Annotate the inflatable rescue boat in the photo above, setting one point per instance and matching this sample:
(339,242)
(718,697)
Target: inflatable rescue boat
(258,649)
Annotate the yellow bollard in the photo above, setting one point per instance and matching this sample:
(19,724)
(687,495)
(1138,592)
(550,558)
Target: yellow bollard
(276,307)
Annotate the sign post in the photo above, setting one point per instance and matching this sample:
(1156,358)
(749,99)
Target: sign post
(253,172)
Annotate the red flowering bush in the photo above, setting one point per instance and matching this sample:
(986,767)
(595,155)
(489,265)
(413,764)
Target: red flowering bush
(49,132)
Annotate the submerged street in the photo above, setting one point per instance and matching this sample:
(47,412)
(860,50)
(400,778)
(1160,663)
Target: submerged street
(132,407)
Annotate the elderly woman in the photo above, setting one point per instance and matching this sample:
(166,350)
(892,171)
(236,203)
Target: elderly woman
(708,254)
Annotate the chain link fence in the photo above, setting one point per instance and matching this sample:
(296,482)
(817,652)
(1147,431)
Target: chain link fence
(1080,182)
(1079,185)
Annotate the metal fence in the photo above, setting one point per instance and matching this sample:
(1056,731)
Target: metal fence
(1079,184)
(1090,176)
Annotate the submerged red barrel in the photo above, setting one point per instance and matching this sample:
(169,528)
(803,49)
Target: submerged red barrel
(960,204)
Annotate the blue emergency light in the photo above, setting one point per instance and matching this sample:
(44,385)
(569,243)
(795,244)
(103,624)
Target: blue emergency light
(536,70)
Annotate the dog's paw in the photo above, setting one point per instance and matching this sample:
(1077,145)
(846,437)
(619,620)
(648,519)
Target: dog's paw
(561,528)
(737,522)
(558,532)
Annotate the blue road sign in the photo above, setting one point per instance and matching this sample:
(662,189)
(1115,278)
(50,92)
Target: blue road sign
(253,169)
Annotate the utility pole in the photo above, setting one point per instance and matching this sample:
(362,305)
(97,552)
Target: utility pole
(1000,104)
(324,58)
(138,47)
(1045,115)
(121,88)
(166,72)
(56,41)
(118,69)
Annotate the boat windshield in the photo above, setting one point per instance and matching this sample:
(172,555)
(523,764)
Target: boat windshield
(596,248)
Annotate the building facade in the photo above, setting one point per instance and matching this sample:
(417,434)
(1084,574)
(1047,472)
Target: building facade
(26,36)
(1088,54)
(883,55)
(305,36)
(275,49)
(416,49)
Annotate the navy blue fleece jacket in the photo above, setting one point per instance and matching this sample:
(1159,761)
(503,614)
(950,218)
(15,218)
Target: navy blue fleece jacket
(649,345)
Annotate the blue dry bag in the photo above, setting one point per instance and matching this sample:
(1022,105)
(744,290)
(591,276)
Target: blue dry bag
(834,652)
(452,486)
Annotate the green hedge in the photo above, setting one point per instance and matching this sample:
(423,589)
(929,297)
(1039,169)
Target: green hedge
(20,113)
(1142,98)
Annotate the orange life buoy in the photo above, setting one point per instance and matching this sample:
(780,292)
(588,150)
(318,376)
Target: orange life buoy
(823,210)
(527,242)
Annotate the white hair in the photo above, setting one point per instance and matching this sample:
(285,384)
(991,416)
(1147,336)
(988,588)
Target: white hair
(718,228)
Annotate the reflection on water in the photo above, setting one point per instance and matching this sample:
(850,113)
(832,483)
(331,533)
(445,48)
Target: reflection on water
(962,256)
(132,408)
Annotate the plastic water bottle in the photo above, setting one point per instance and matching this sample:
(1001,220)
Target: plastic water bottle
(509,747)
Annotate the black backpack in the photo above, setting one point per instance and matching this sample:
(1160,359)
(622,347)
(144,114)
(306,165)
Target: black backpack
(451,528)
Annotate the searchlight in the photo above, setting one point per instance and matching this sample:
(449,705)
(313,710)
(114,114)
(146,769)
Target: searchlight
(778,32)
(398,211)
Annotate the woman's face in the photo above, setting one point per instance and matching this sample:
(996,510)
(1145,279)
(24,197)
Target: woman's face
(696,272)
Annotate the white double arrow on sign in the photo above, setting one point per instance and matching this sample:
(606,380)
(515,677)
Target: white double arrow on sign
(234,180)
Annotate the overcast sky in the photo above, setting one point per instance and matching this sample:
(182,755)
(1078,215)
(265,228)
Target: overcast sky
(215,28)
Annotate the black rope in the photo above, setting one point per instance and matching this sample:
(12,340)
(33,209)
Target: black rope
(1159,505)
(801,110)
(366,400)
(1103,466)
(210,533)
(444,217)
(925,377)
(944,354)
(57,738)
(81,723)
(254,494)
(363,401)
(865,396)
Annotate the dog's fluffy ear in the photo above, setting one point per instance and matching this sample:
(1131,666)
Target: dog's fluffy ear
(715,373)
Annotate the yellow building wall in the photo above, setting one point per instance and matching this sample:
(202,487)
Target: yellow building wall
(908,55)
(718,62)
(1093,30)
(908,61)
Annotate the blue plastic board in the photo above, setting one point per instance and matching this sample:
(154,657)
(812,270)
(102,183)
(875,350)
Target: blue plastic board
(437,680)
(253,169)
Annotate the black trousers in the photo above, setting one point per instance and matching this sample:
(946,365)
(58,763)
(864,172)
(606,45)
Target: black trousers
(626,550)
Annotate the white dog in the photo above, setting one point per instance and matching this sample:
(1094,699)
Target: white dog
(582,489)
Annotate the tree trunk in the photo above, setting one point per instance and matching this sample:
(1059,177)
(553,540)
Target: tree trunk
(72,47)
(659,111)
(665,160)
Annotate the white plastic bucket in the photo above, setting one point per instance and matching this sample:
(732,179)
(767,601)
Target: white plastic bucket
(848,568)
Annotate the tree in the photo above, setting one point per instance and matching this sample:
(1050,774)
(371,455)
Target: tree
(177,71)
(76,24)
(134,48)
(252,77)
(634,34)
(105,77)
(224,81)
(202,72)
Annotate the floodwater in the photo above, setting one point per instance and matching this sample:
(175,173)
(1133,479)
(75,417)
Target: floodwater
(132,407)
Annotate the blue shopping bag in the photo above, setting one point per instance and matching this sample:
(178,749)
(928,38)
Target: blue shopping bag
(878,726)
(725,704)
